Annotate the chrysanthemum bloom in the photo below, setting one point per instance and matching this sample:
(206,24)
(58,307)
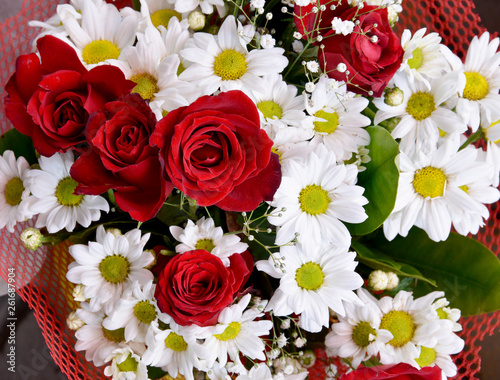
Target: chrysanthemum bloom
(126,365)
(14,191)
(479,98)
(53,196)
(108,266)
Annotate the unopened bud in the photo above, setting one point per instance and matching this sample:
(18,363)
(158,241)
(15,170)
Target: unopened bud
(196,20)
(393,96)
(31,238)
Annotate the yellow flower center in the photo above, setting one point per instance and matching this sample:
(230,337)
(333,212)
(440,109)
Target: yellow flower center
(65,192)
(361,334)
(14,191)
(147,85)
(175,342)
(476,86)
(464,188)
(309,276)
(128,365)
(145,312)
(276,151)
(206,244)
(421,105)
(314,200)
(416,61)
(427,356)
(230,65)
(98,51)
(270,109)
(231,332)
(115,269)
(429,182)
(116,336)
(328,126)
(441,313)
(400,324)
(163,16)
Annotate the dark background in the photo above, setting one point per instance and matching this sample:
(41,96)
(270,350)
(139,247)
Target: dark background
(32,355)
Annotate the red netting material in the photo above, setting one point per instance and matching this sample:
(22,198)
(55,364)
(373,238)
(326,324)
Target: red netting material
(40,276)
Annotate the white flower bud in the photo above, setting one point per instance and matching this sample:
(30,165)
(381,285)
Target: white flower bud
(378,280)
(31,238)
(342,67)
(393,96)
(116,232)
(73,322)
(196,20)
(78,293)
(392,280)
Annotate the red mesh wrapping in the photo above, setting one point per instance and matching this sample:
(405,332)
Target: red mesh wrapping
(40,276)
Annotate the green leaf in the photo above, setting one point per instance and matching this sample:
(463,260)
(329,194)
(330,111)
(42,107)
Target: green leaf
(155,372)
(466,270)
(378,260)
(20,144)
(380,180)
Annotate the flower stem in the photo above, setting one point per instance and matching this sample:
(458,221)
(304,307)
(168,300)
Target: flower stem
(473,138)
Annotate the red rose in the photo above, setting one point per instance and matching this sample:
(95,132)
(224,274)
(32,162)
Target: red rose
(195,286)
(215,152)
(122,159)
(372,53)
(401,371)
(51,100)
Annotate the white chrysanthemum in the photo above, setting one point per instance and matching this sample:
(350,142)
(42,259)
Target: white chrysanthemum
(423,58)
(338,122)
(109,265)
(98,342)
(313,279)
(257,372)
(53,196)
(206,6)
(411,322)
(135,311)
(423,115)
(102,32)
(431,193)
(479,98)
(204,235)
(314,196)
(445,312)
(237,332)
(223,62)
(125,365)
(176,349)
(281,111)
(14,190)
(447,344)
(357,335)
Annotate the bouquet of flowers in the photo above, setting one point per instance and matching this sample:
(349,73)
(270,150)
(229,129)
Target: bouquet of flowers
(249,188)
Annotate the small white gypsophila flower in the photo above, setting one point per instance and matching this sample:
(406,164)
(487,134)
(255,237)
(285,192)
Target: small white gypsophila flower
(267,41)
(297,46)
(257,3)
(340,26)
(53,196)
(312,66)
(109,265)
(14,190)
(204,235)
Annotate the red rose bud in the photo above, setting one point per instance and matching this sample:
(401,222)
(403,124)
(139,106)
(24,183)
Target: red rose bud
(122,159)
(50,100)
(401,371)
(372,53)
(215,152)
(195,286)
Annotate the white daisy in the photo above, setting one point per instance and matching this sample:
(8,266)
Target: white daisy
(14,190)
(109,265)
(357,335)
(257,372)
(53,196)
(135,311)
(479,98)
(338,122)
(159,13)
(445,312)
(447,344)
(125,365)
(206,6)
(101,33)
(222,62)
(313,279)
(422,113)
(204,235)
(430,191)
(412,323)
(237,332)
(98,342)
(176,349)
(281,111)
(423,58)
(314,196)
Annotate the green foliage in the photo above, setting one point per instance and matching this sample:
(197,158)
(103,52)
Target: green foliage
(20,144)
(380,180)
